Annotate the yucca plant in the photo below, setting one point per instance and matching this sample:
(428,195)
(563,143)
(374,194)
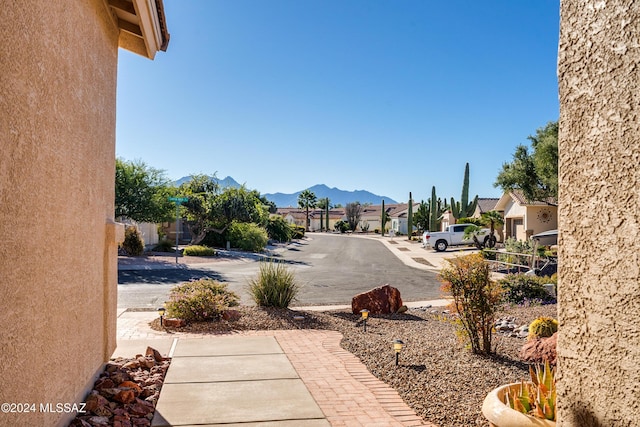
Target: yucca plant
(538,397)
(275,285)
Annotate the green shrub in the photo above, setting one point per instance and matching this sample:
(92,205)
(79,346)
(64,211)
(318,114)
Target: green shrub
(488,254)
(200,300)
(198,250)
(521,288)
(341,226)
(476,298)
(278,229)
(275,285)
(133,244)
(164,246)
(248,236)
(297,231)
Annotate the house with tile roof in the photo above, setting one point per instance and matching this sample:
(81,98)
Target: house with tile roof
(522,218)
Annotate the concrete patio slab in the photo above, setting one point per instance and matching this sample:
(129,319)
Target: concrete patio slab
(129,348)
(227,346)
(199,369)
(237,402)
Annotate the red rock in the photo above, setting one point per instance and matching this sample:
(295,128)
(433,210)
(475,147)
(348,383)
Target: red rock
(125,396)
(231,315)
(381,300)
(141,422)
(104,383)
(134,364)
(154,353)
(174,323)
(539,350)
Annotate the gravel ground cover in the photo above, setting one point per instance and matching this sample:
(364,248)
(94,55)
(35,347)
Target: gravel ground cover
(437,376)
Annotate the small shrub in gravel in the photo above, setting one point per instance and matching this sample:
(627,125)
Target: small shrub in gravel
(200,300)
(519,288)
(198,250)
(275,285)
(476,298)
(133,244)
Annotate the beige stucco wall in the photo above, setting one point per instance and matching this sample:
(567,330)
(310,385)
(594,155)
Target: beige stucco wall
(58,254)
(599,148)
(533,221)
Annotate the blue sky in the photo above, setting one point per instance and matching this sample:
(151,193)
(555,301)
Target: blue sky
(385,96)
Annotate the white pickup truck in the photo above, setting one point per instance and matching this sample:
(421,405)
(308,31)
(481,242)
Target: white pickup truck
(453,235)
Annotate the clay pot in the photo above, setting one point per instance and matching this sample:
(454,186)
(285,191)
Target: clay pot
(500,415)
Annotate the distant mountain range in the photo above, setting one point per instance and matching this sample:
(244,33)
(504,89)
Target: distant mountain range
(335,195)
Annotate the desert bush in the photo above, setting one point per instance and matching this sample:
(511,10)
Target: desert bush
(341,226)
(198,250)
(278,229)
(476,298)
(248,236)
(164,246)
(275,285)
(200,300)
(521,288)
(133,244)
(297,231)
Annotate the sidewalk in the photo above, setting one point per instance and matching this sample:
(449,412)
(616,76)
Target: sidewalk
(262,379)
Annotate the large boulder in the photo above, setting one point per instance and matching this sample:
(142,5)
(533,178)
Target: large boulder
(540,349)
(381,300)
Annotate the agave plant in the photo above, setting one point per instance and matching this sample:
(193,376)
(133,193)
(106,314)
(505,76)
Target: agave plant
(538,397)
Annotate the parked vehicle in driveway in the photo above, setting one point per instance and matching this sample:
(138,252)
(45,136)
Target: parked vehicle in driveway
(453,235)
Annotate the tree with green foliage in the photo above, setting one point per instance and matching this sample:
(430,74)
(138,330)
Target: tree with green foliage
(493,219)
(200,192)
(307,200)
(238,204)
(142,192)
(353,212)
(464,208)
(534,173)
(421,217)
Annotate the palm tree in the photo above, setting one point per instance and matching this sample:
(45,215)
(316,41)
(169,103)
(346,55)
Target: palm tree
(307,199)
(493,219)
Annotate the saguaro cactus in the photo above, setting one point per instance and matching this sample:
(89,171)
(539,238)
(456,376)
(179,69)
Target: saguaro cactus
(383,219)
(326,206)
(463,208)
(434,211)
(410,217)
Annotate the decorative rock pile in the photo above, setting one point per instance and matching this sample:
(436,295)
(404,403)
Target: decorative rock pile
(126,393)
(509,327)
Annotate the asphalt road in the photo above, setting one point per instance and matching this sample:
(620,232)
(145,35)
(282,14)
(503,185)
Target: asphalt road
(330,268)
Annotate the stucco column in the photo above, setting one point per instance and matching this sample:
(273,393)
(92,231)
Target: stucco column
(599,148)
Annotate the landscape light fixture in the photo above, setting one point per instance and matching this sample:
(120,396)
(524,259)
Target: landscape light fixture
(365,315)
(161,312)
(397,347)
